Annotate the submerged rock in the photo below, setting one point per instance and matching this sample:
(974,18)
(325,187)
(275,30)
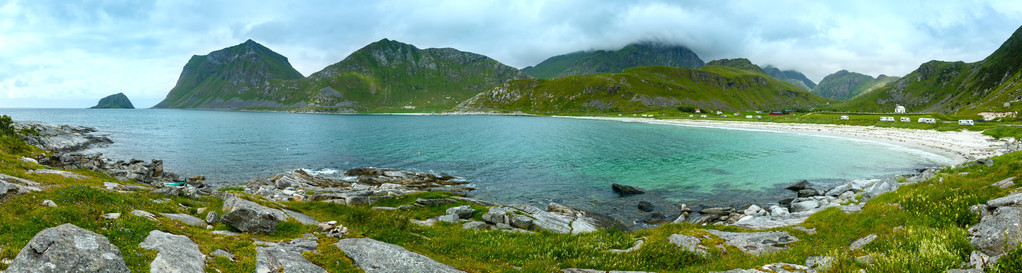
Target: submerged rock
(68,248)
(374,256)
(625,190)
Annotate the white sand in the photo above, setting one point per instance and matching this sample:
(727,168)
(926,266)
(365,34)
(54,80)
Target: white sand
(958,146)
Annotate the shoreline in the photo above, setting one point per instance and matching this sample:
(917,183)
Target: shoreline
(957,146)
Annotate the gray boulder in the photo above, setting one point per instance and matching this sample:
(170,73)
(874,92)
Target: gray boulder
(804,205)
(373,256)
(247,216)
(175,253)
(756,242)
(463,212)
(68,248)
(999,232)
(861,242)
(287,257)
(881,187)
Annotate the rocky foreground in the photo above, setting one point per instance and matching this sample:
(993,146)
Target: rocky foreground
(257,210)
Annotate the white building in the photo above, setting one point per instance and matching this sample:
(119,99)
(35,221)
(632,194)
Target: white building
(899,109)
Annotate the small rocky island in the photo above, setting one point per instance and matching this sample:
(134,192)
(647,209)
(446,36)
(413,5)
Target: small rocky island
(115,101)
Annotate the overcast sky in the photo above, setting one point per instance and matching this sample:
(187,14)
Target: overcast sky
(69,54)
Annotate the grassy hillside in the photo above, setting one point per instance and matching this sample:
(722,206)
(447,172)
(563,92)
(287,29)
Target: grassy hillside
(645,88)
(604,61)
(950,87)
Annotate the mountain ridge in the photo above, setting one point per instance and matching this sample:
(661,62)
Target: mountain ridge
(614,61)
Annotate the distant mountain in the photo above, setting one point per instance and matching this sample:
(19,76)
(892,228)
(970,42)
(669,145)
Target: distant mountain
(791,76)
(603,61)
(845,85)
(644,89)
(993,84)
(384,76)
(234,77)
(115,101)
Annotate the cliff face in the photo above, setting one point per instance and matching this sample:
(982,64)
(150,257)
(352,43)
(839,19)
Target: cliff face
(993,84)
(230,78)
(115,101)
(602,61)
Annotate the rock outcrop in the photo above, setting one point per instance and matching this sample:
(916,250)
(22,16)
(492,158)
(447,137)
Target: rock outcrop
(248,216)
(373,256)
(68,248)
(557,218)
(287,257)
(175,253)
(115,101)
(64,138)
(367,186)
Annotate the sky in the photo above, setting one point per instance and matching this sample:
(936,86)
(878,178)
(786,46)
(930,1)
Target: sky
(69,54)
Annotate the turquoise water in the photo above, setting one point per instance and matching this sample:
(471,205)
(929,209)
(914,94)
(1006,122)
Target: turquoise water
(519,159)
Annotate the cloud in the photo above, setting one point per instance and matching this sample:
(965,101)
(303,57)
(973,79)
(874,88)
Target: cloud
(57,53)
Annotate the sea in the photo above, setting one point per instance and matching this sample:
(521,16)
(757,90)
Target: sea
(508,159)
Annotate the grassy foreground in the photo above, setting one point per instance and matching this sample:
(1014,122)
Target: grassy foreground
(921,228)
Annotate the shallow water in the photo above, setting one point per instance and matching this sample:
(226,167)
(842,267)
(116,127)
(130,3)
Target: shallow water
(509,159)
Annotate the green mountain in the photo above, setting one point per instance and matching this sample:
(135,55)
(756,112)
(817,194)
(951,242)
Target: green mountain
(384,76)
(845,85)
(644,89)
(234,77)
(738,63)
(791,76)
(993,84)
(603,61)
(115,101)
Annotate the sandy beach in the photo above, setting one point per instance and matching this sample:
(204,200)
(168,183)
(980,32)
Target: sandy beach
(958,146)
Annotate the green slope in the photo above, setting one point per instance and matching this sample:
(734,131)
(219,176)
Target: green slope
(738,63)
(791,76)
(115,101)
(230,78)
(603,61)
(390,76)
(643,89)
(947,87)
(845,85)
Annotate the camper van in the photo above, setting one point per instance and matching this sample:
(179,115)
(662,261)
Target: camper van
(886,118)
(748,116)
(844,117)
(966,122)
(927,120)
(906,119)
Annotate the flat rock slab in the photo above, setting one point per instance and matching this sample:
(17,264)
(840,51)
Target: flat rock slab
(1009,200)
(301,218)
(688,243)
(59,172)
(68,248)
(287,257)
(999,232)
(861,242)
(577,270)
(175,253)
(374,256)
(185,219)
(755,242)
(774,268)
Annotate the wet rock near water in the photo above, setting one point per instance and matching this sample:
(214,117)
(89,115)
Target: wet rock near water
(625,190)
(68,248)
(367,187)
(62,138)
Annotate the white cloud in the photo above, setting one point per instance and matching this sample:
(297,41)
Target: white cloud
(57,53)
